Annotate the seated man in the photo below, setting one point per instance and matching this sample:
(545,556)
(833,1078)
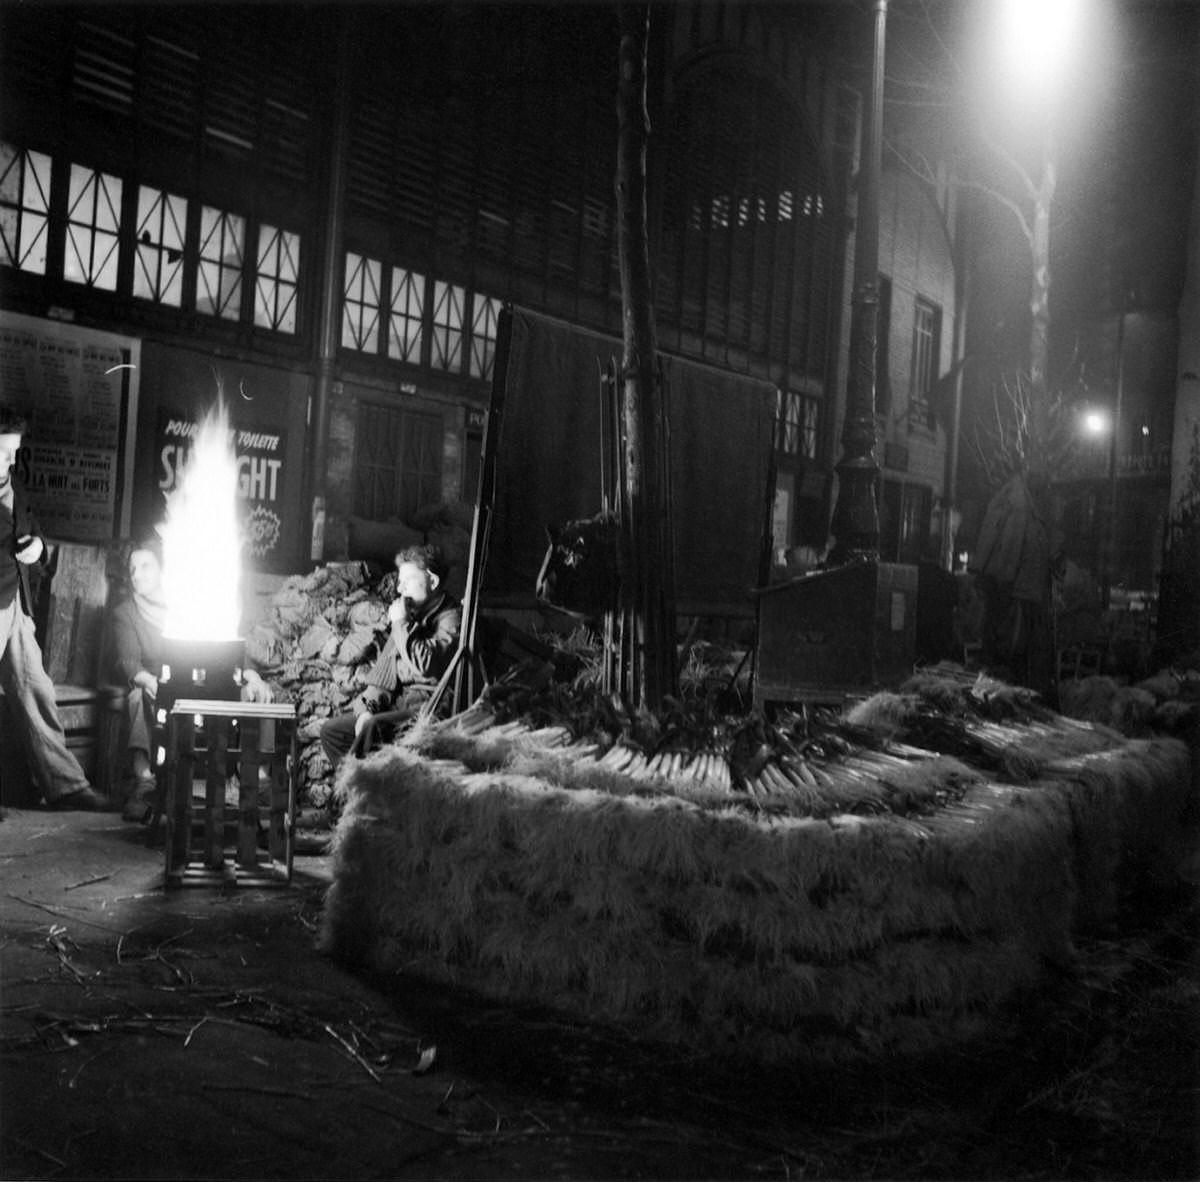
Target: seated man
(425,625)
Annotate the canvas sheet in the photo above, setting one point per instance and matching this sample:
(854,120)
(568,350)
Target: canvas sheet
(548,463)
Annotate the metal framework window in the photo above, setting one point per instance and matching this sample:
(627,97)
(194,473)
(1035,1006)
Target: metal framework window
(398,461)
(24,208)
(93,228)
(360,303)
(927,327)
(277,279)
(221,263)
(161,230)
(406,317)
(448,301)
(801,415)
(483,336)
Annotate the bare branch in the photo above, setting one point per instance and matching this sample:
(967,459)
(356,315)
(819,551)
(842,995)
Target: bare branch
(1007,202)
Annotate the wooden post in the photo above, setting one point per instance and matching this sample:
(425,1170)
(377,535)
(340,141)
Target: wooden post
(647,602)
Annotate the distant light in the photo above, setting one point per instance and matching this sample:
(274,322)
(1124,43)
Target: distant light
(1095,422)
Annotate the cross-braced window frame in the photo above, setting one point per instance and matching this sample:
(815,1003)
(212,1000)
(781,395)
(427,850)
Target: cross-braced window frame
(277,279)
(485,313)
(406,316)
(24,208)
(360,303)
(93,242)
(221,263)
(161,236)
(446,341)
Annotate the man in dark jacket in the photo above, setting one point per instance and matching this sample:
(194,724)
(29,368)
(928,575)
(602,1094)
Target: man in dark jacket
(31,723)
(425,625)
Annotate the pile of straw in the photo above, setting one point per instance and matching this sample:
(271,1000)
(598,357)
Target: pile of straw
(525,865)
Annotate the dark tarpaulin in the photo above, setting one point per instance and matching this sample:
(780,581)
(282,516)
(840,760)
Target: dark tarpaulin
(548,463)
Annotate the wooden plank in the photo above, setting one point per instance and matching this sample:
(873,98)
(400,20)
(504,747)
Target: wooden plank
(247,846)
(75,620)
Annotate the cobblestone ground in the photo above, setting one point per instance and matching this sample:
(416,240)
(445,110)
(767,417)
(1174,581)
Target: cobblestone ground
(197,1034)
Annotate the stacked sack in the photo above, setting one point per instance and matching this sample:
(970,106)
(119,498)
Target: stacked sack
(315,645)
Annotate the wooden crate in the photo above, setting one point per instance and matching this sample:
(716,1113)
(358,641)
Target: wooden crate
(212,841)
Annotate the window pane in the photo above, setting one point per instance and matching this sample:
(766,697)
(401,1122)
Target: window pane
(93,219)
(277,279)
(158,269)
(361,303)
(24,208)
(483,335)
(448,302)
(405,325)
(221,263)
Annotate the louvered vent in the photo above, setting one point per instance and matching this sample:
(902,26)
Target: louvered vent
(170,87)
(102,71)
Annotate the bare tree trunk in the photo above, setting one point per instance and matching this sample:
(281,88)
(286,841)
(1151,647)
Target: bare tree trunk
(1043,202)
(649,674)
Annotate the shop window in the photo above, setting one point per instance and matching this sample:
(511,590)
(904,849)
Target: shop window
(398,461)
(447,341)
(406,321)
(360,306)
(277,279)
(24,208)
(483,336)
(161,229)
(221,263)
(93,228)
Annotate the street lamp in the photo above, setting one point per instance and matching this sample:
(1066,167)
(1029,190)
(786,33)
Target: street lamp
(855,524)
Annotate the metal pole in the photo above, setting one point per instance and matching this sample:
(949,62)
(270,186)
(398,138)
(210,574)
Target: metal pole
(1110,529)
(856,516)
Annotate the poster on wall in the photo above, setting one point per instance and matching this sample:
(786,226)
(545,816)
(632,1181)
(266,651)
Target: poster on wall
(260,453)
(77,387)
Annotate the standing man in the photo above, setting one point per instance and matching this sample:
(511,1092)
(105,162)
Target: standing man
(32,722)
(425,623)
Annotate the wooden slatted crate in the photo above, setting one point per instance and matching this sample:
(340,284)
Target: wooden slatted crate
(214,822)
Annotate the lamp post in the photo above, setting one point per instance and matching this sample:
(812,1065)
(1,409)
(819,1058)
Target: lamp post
(1110,525)
(855,524)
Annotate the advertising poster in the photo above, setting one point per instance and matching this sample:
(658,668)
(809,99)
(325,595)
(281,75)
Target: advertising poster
(77,387)
(260,453)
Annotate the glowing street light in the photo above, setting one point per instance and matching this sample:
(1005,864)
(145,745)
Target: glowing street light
(1034,37)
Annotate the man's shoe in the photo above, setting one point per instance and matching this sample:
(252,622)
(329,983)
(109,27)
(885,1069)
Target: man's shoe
(84,799)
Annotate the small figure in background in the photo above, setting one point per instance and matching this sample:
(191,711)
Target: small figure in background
(33,723)
(425,623)
(136,637)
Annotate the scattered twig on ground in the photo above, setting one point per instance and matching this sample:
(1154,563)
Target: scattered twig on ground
(353,1053)
(90,881)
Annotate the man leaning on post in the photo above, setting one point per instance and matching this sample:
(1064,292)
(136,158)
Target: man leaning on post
(32,725)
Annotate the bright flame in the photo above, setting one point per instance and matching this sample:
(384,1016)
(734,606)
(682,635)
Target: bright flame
(201,540)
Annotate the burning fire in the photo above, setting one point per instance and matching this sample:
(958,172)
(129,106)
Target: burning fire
(201,540)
